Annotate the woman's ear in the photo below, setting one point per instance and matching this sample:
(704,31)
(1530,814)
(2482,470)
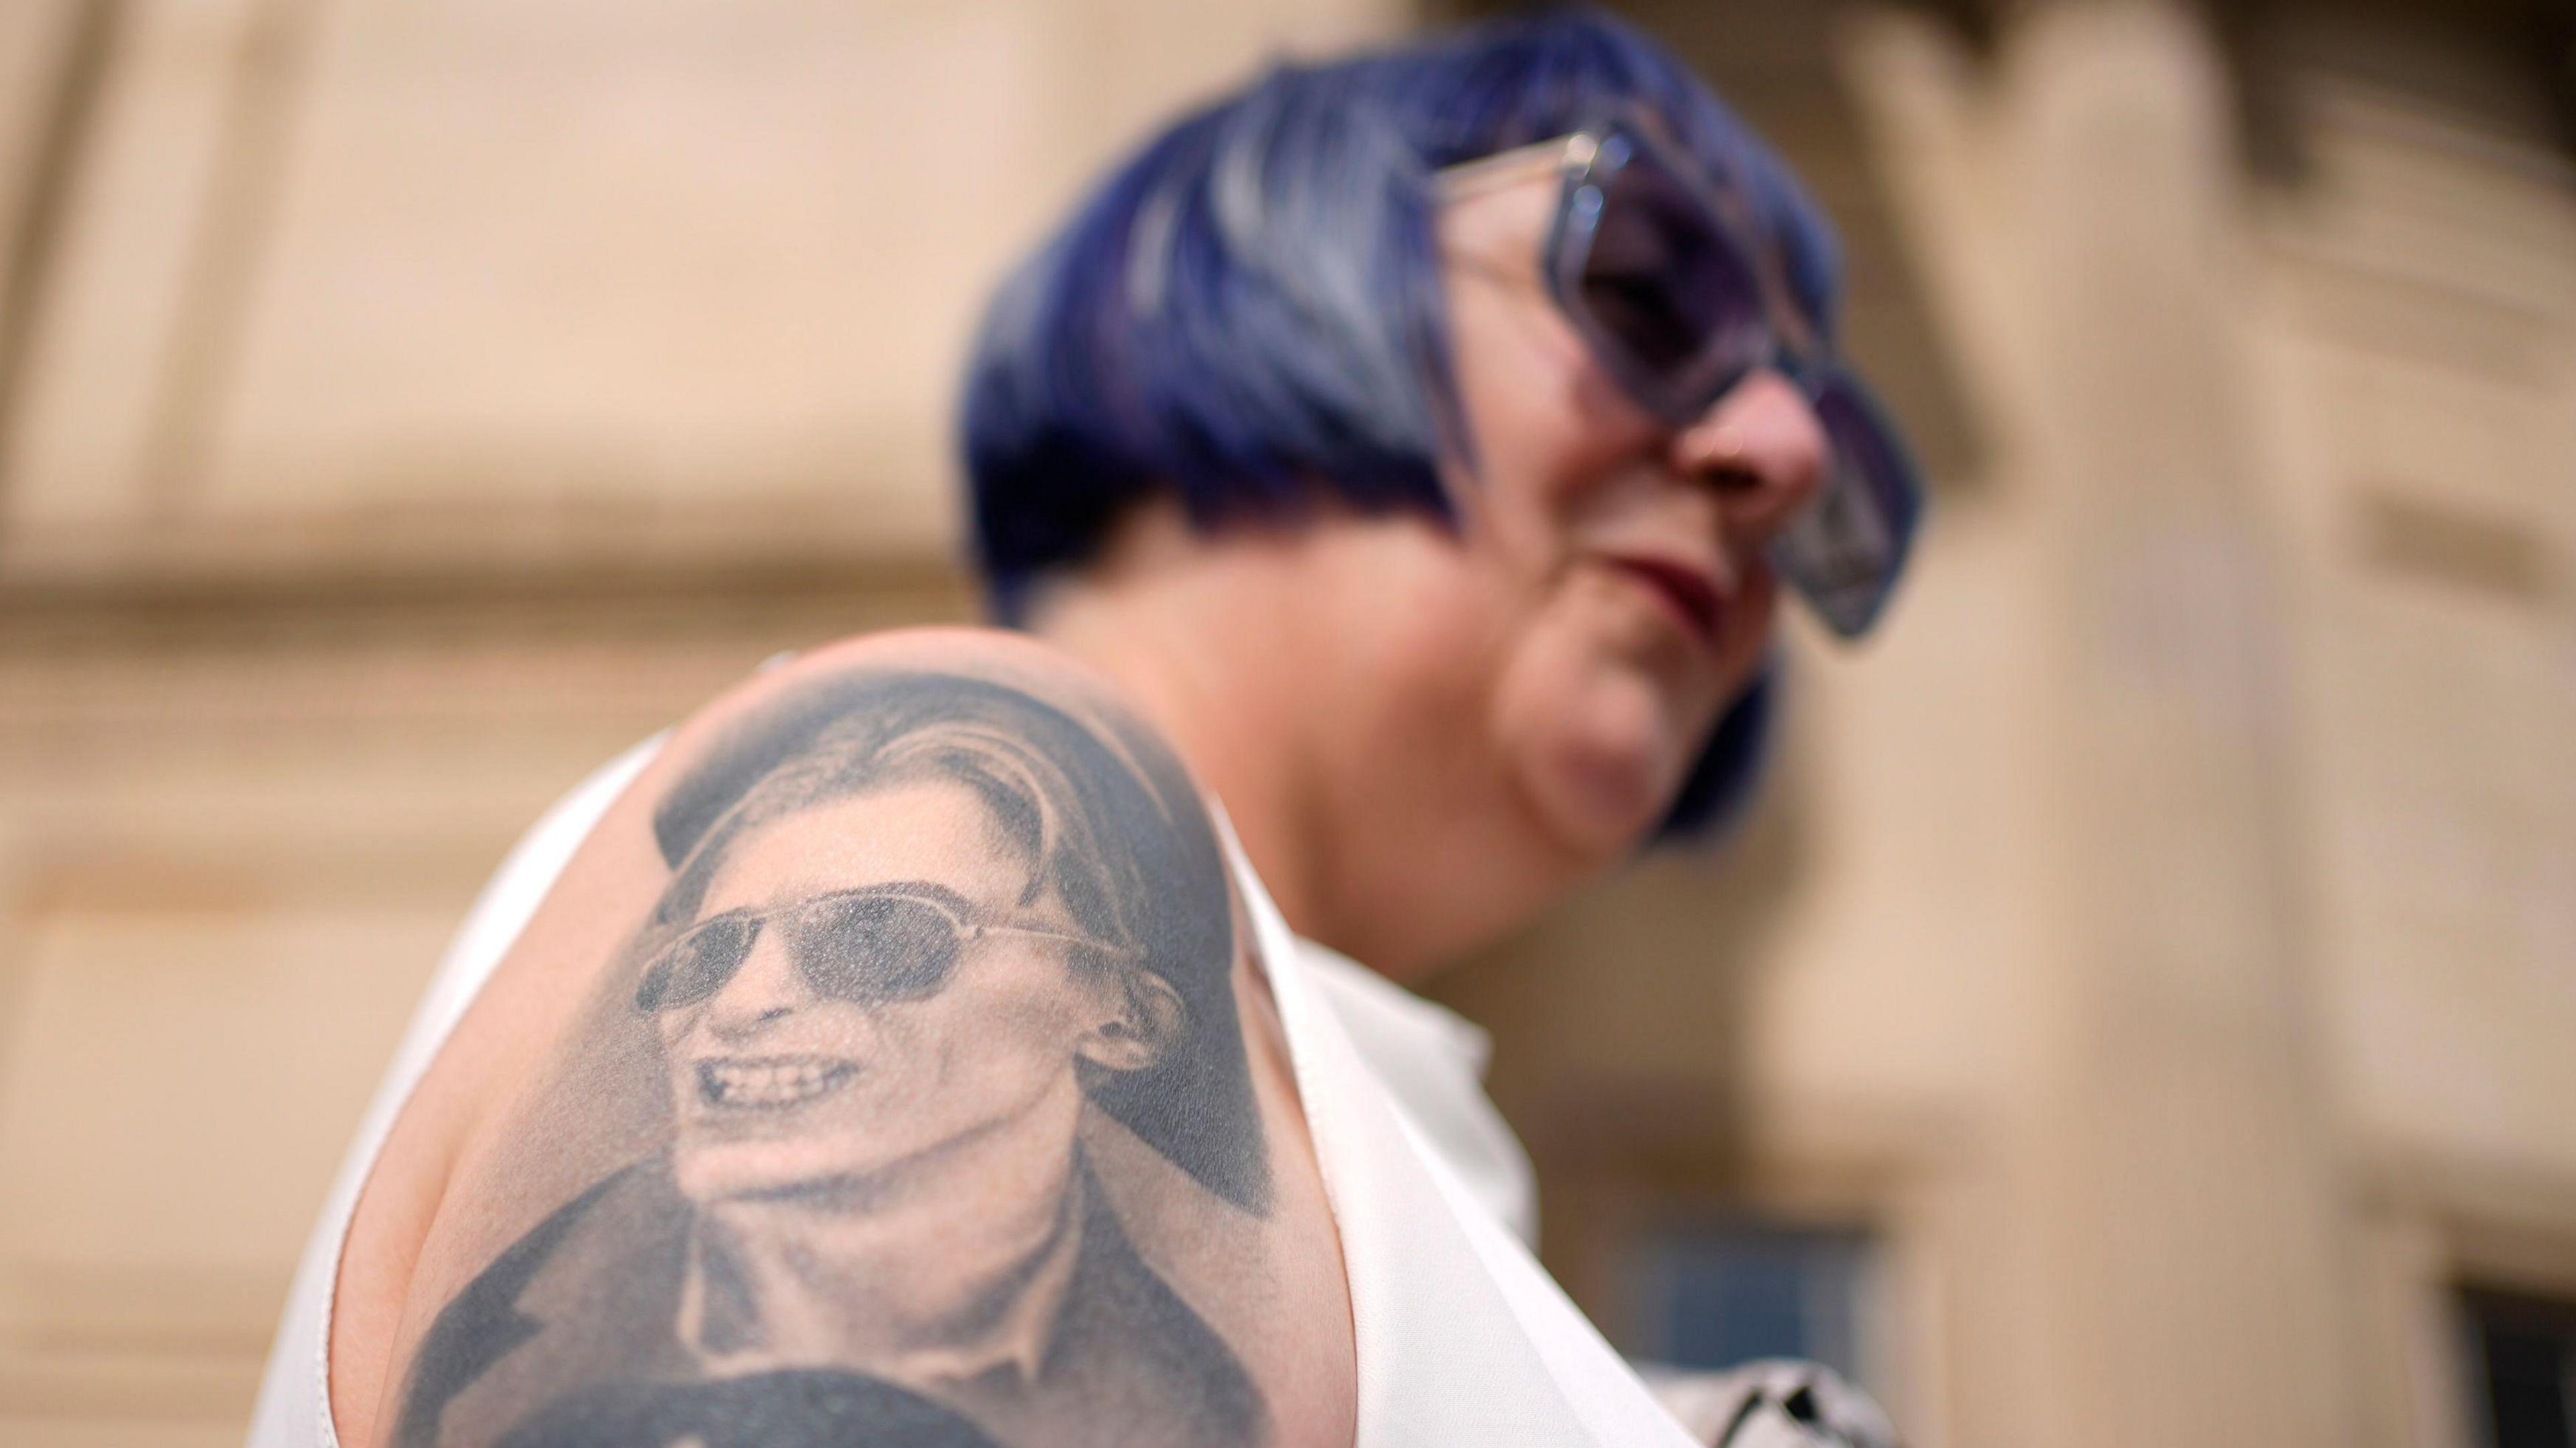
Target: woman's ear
(1150,1021)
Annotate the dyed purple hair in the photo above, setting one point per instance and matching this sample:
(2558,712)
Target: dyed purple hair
(1247,313)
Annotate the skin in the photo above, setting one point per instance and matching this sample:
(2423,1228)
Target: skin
(1515,703)
(903,1225)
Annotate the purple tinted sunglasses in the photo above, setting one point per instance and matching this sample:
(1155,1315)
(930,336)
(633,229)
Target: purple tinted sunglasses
(1680,298)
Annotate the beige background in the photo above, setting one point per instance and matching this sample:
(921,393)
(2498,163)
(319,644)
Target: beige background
(2163,939)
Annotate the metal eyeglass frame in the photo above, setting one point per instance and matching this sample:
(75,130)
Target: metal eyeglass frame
(654,993)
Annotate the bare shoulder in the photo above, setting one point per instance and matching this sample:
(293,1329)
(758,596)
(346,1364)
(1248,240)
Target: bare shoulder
(889,1066)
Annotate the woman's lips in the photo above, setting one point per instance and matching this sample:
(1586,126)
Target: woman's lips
(1690,593)
(769,1083)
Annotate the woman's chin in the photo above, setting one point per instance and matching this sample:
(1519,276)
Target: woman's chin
(1604,774)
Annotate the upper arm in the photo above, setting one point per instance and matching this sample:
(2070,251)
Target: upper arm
(886,1067)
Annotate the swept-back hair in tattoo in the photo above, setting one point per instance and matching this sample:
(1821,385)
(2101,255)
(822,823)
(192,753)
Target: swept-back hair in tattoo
(1108,822)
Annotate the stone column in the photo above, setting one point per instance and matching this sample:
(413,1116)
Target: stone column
(2177,1161)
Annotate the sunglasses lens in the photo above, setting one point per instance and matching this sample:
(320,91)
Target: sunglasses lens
(1662,281)
(697,965)
(1844,554)
(875,947)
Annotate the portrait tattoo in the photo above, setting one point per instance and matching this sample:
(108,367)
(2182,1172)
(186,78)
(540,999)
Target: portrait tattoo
(898,1119)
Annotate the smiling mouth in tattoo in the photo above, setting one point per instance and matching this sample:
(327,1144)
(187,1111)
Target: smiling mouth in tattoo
(770,1083)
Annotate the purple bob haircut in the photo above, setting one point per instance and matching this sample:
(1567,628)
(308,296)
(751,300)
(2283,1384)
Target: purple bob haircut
(1247,313)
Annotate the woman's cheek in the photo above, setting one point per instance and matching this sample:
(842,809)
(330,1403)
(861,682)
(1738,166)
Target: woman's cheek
(1590,740)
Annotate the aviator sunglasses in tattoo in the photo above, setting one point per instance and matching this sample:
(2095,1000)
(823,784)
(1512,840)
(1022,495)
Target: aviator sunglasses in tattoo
(1679,297)
(866,946)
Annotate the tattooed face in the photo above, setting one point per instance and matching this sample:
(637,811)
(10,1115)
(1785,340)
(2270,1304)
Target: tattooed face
(940,966)
(894,996)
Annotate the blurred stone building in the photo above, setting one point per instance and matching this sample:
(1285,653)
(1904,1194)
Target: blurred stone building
(2141,1012)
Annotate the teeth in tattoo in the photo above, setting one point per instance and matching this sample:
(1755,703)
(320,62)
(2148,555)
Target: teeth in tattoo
(768,1083)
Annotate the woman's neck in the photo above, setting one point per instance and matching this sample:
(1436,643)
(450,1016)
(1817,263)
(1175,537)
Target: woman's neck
(1236,700)
(1359,778)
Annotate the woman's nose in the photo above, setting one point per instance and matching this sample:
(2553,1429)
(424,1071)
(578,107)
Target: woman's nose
(1762,451)
(766,987)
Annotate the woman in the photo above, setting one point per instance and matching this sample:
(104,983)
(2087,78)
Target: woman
(1413,443)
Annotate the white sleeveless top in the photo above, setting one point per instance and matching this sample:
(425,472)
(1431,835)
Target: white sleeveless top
(1461,1336)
